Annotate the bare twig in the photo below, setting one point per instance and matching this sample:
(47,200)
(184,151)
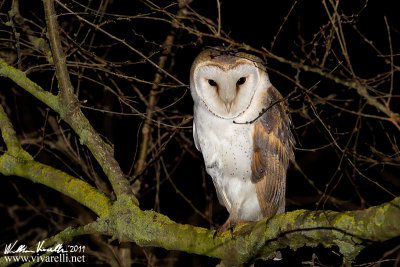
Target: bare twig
(151,102)
(71,113)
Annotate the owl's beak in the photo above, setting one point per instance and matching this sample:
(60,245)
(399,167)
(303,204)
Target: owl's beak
(228,106)
(227,95)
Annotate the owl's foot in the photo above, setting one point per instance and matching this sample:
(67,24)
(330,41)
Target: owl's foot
(236,228)
(228,225)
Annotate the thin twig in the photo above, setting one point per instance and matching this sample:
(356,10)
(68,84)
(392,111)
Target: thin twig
(121,41)
(146,130)
(71,113)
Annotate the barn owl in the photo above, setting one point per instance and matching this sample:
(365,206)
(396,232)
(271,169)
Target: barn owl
(241,127)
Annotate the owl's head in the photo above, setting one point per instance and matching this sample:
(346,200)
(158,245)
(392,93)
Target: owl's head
(225,81)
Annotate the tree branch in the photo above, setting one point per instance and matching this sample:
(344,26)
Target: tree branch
(98,28)
(68,106)
(351,231)
(16,161)
(66,90)
(77,120)
(19,77)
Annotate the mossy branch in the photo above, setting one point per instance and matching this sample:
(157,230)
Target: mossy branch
(351,231)
(68,106)
(79,123)
(71,113)
(56,179)
(16,161)
(19,77)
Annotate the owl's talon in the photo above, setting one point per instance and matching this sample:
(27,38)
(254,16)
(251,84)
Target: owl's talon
(227,225)
(231,230)
(214,236)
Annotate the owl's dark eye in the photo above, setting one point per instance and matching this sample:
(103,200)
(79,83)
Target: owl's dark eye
(241,81)
(212,82)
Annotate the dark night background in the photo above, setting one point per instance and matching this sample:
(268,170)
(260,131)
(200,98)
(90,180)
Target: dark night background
(107,74)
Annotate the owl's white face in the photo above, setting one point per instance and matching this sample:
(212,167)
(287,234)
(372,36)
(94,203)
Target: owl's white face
(226,85)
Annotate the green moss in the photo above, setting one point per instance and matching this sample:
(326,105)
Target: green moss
(293,217)
(84,136)
(21,154)
(19,77)
(345,247)
(6,70)
(380,216)
(342,224)
(345,221)
(8,164)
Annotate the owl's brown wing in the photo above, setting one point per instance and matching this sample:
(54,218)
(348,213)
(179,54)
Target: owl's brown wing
(272,149)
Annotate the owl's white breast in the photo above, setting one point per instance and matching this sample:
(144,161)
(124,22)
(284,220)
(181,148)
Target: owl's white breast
(227,152)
